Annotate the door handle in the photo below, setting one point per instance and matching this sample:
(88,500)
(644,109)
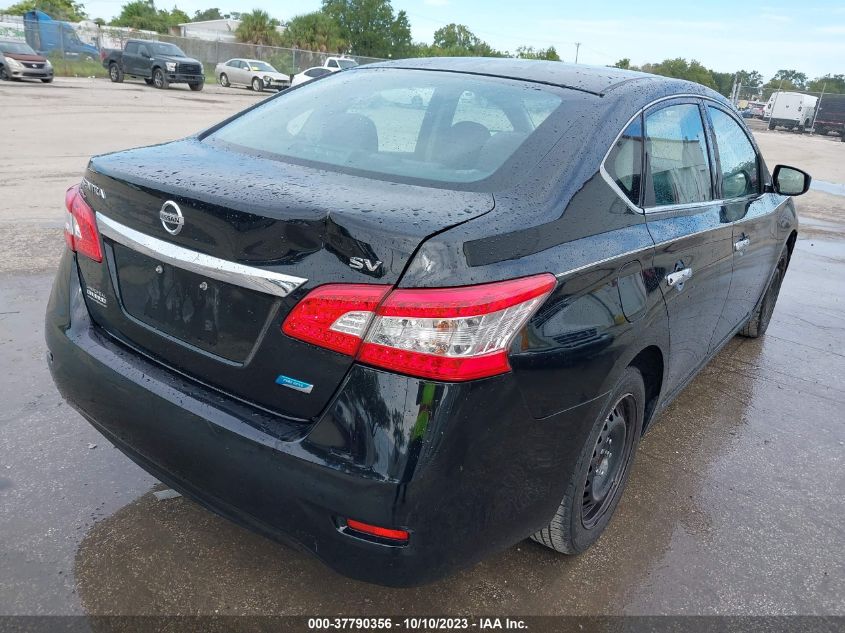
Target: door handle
(677,278)
(742,244)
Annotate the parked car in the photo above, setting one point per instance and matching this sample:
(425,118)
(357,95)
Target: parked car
(335,64)
(254,73)
(19,61)
(159,64)
(792,110)
(405,341)
(309,74)
(831,115)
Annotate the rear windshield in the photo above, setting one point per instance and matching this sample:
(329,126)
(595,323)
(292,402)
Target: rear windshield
(434,126)
(21,48)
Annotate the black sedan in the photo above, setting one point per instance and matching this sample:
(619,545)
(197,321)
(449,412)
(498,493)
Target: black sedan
(412,313)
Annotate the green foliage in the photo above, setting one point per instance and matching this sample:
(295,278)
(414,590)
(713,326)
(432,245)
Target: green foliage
(66,10)
(680,68)
(749,79)
(624,64)
(315,32)
(143,14)
(208,14)
(830,83)
(456,40)
(793,77)
(76,67)
(528,52)
(258,27)
(370,26)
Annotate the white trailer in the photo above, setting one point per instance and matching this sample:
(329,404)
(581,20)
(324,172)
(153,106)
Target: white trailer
(790,110)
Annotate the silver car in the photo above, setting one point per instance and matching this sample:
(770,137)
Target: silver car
(252,73)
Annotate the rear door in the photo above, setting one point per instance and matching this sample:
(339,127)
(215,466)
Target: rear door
(130,58)
(692,235)
(753,214)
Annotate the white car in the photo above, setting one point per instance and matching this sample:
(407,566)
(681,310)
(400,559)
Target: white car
(311,73)
(252,73)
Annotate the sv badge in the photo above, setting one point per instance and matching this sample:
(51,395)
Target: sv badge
(359,263)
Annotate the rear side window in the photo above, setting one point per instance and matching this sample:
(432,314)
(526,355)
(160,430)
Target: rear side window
(624,162)
(131,48)
(737,157)
(679,169)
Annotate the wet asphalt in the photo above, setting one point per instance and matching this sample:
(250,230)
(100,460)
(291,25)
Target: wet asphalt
(735,504)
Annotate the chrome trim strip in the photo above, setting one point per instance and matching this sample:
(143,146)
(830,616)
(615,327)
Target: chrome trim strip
(221,269)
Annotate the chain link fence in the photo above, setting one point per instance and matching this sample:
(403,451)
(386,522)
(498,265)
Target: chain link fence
(75,48)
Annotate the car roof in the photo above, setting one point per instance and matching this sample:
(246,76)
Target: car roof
(597,80)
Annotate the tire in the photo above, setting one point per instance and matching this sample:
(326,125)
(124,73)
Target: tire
(196,87)
(821,131)
(159,80)
(257,84)
(771,125)
(224,80)
(115,73)
(48,80)
(581,518)
(762,316)
(4,76)
(148,81)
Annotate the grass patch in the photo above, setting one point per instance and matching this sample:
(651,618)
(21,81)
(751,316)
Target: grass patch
(77,68)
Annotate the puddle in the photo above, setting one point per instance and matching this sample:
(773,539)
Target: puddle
(835,188)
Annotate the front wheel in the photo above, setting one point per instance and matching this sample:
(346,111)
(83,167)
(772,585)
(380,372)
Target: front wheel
(224,80)
(47,80)
(595,484)
(115,74)
(159,80)
(196,87)
(257,84)
(762,315)
(4,76)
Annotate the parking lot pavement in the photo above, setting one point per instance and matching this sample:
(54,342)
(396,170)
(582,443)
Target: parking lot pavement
(735,504)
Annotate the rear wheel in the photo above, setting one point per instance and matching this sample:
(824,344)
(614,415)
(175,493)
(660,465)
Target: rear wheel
(4,76)
(821,131)
(595,485)
(771,125)
(759,321)
(257,84)
(224,80)
(159,80)
(115,74)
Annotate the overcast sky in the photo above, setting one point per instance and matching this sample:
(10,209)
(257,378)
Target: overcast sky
(725,35)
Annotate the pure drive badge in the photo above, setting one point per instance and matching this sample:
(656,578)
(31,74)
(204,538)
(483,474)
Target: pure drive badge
(293,383)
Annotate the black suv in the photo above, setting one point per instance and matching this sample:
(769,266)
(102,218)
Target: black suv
(159,64)
(409,314)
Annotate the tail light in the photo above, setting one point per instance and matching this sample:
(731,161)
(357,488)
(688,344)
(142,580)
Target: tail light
(81,233)
(441,333)
(380,532)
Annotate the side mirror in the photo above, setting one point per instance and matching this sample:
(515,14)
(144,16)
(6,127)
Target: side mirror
(789,181)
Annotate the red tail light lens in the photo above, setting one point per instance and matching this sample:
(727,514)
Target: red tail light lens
(374,530)
(81,233)
(449,334)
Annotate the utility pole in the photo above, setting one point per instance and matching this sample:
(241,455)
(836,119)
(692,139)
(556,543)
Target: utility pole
(577,46)
(818,105)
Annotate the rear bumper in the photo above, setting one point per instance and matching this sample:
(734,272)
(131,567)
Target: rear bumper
(464,468)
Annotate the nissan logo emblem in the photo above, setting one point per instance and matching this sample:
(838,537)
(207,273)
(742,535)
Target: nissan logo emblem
(171,217)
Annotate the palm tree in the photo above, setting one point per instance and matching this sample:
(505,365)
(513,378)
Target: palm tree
(258,27)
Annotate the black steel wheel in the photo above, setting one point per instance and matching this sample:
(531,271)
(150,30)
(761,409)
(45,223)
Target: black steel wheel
(595,483)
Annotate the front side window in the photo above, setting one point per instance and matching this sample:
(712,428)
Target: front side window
(624,163)
(679,169)
(433,126)
(737,157)
(332,63)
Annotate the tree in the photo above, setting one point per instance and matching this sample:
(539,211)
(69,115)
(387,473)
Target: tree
(370,26)
(680,68)
(724,82)
(66,10)
(456,40)
(315,32)
(794,78)
(749,79)
(528,52)
(258,27)
(624,64)
(208,14)
(830,83)
(143,14)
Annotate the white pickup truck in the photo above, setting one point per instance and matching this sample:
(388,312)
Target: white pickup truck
(331,65)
